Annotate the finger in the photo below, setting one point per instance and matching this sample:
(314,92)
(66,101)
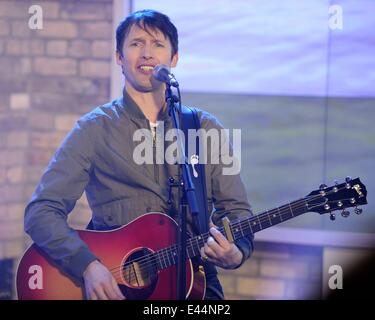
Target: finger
(210,252)
(223,242)
(110,291)
(99,291)
(117,289)
(203,254)
(214,247)
(93,297)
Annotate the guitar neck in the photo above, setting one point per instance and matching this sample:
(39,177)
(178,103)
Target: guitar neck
(351,193)
(250,225)
(240,228)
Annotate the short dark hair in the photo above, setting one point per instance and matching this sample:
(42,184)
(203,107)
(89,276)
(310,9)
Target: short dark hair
(147,19)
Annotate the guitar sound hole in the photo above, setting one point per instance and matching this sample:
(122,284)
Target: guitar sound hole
(139,274)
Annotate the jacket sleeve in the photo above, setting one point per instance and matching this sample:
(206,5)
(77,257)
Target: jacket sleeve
(61,185)
(228,191)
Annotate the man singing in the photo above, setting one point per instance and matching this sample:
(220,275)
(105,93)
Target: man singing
(97,157)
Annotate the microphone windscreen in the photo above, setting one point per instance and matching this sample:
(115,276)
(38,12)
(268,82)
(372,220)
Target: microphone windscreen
(161,72)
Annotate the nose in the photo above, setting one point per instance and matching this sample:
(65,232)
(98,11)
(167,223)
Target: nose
(147,51)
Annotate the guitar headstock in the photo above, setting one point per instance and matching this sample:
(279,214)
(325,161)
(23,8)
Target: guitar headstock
(351,193)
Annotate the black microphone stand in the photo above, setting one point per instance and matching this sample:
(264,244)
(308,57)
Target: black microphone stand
(188,198)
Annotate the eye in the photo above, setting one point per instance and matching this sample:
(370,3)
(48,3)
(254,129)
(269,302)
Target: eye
(159,44)
(135,44)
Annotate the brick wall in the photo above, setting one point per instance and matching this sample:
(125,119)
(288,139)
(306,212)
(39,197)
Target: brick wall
(50,77)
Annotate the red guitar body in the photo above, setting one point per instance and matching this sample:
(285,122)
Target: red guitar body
(39,278)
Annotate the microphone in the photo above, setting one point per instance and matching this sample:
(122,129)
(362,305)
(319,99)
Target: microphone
(161,72)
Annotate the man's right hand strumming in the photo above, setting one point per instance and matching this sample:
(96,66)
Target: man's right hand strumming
(100,283)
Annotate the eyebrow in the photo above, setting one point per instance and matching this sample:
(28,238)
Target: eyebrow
(143,40)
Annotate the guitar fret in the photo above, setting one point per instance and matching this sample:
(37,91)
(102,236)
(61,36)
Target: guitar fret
(192,246)
(266,221)
(168,262)
(242,231)
(201,241)
(291,211)
(155,260)
(235,231)
(187,249)
(160,260)
(249,223)
(260,223)
(164,259)
(280,214)
(269,217)
(167,254)
(275,216)
(247,227)
(255,224)
(238,228)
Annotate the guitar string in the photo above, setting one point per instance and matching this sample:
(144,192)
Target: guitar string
(166,249)
(244,224)
(243,221)
(133,275)
(146,266)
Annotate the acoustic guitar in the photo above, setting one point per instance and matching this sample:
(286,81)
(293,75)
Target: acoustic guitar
(142,255)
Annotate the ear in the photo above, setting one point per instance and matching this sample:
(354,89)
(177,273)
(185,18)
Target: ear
(119,58)
(174,60)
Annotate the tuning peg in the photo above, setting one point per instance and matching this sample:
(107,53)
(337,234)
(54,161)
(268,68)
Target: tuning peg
(335,188)
(322,186)
(345,213)
(348,179)
(358,210)
(332,216)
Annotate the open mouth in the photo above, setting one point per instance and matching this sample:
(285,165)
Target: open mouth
(146,68)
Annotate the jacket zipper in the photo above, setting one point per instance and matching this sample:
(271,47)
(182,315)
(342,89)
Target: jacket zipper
(156,168)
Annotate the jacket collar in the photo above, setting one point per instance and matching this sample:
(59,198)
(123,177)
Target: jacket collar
(134,111)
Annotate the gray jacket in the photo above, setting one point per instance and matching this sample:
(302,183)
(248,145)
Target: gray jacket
(97,157)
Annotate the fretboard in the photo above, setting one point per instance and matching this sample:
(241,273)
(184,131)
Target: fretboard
(240,228)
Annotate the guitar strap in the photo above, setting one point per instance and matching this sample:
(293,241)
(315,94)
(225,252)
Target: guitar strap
(190,120)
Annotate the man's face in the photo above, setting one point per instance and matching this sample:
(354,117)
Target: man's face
(141,52)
